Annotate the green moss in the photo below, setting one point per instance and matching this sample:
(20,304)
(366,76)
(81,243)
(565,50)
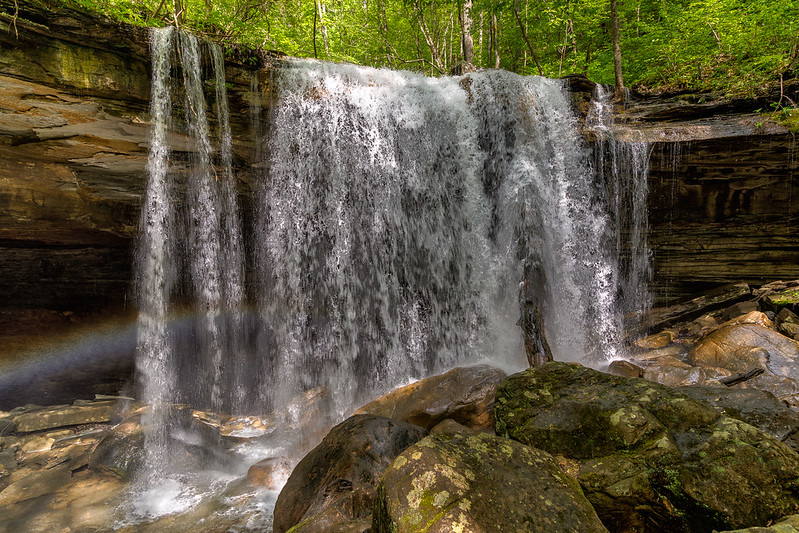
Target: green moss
(788,117)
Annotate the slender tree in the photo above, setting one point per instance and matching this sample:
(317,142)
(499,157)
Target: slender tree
(517,12)
(614,22)
(467,44)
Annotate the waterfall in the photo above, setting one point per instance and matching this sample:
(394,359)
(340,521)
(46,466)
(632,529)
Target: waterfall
(623,169)
(399,225)
(190,253)
(154,279)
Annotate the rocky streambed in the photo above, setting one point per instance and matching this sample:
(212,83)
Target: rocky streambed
(695,431)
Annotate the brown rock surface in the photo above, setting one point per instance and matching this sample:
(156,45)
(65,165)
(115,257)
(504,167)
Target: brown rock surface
(465,395)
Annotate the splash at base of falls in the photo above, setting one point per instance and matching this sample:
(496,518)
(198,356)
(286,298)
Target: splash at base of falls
(399,228)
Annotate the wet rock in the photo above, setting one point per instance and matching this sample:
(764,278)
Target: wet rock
(457,482)
(742,347)
(672,372)
(270,473)
(464,394)
(652,459)
(311,405)
(7,427)
(741,308)
(675,350)
(339,477)
(119,453)
(653,342)
(34,418)
(36,484)
(755,407)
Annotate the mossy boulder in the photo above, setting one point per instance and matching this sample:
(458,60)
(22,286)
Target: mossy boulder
(477,482)
(786,299)
(652,459)
(333,487)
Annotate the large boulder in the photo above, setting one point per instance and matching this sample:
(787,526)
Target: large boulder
(335,483)
(652,459)
(742,347)
(478,482)
(464,394)
(755,407)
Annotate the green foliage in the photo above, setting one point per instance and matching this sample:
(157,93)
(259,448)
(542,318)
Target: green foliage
(735,46)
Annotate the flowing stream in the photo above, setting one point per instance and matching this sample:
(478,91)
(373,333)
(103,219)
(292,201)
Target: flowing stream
(399,226)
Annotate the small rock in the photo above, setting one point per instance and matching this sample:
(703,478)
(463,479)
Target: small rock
(656,341)
(786,315)
(741,308)
(674,373)
(626,369)
(270,473)
(752,317)
(450,426)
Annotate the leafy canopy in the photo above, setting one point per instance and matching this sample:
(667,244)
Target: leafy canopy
(735,46)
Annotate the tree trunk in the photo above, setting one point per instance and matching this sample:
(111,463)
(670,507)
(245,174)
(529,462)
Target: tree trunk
(614,20)
(315,18)
(495,39)
(467,44)
(524,36)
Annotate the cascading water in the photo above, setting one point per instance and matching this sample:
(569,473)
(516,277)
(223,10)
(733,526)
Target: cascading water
(190,258)
(623,169)
(396,224)
(154,349)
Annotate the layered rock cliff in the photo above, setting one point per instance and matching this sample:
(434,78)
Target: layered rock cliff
(723,191)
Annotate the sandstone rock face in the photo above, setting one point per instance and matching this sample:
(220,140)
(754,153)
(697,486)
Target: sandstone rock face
(652,459)
(457,482)
(336,482)
(465,395)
